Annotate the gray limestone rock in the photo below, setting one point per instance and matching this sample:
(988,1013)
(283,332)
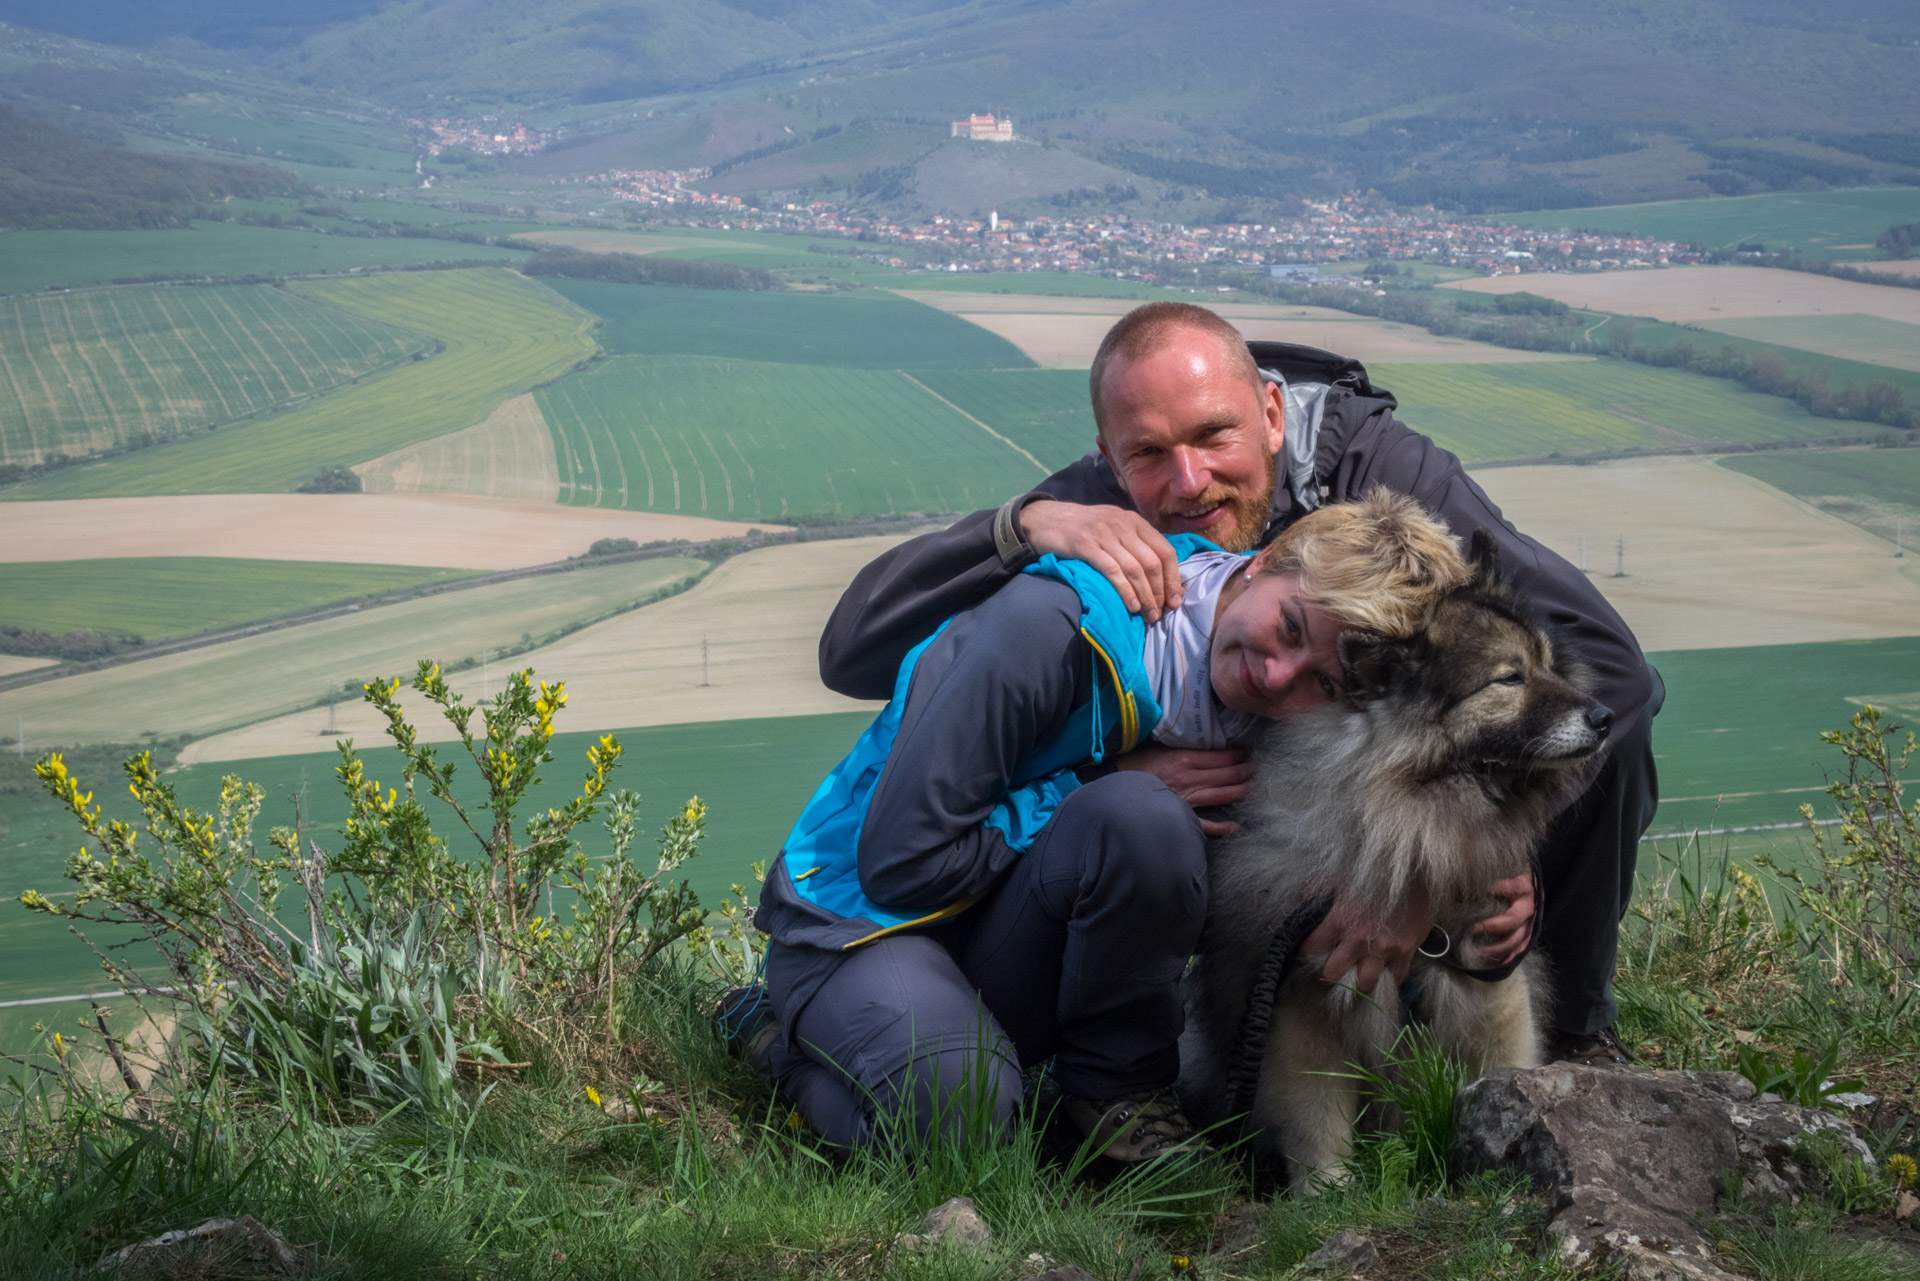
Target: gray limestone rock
(954,1223)
(1635,1159)
(1345,1252)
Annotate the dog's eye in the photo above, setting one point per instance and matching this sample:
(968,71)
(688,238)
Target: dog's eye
(1510,678)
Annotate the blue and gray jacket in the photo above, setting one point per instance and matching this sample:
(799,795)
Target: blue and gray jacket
(969,759)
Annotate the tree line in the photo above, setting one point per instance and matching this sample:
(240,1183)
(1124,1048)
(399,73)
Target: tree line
(632,269)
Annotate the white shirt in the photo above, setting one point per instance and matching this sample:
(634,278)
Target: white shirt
(1179,653)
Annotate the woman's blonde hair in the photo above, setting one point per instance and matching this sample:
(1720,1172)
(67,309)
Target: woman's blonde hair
(1377,565)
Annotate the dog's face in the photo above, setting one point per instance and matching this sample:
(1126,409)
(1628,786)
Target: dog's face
(1481,686)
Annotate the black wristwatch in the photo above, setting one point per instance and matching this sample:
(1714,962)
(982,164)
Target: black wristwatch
(1008,538)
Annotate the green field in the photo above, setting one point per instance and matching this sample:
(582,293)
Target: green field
(1842,223)
(161,597)
(84,372)
(1574,407)
(1839,371)
(34,260)
(1877,489)
(754,775)
(1044,410)
(860,330)
(747,440)
(504,334)
(1738,741)
(1872,340)
(214,687)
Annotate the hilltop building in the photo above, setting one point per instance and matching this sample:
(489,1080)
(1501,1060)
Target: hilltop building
(984,128)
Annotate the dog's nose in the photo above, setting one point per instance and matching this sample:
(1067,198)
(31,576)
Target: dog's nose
(1600,719)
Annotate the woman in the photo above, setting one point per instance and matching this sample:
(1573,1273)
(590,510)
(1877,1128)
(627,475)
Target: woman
(976,887)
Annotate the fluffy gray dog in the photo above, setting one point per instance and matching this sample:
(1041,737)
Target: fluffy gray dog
(1439,769)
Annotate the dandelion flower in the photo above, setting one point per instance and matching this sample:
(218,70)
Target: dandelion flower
(594,1096)
(1903,1170)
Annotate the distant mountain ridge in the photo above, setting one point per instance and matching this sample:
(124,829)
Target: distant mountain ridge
(1469,103)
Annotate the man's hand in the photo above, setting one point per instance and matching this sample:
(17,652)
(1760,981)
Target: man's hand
(1200,778)
(1353,938)
(1503,937)
(1133,555)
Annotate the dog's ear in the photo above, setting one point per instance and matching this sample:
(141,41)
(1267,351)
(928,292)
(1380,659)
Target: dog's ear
(1368,664)
(1484,555)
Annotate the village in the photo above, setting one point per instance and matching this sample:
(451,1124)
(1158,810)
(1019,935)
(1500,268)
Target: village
(1122,246)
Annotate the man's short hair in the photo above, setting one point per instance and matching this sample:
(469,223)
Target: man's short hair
(1146,329)
(1378,565)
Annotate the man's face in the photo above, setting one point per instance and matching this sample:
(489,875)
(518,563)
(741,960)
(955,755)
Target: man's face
(1192,440)
(1274,653)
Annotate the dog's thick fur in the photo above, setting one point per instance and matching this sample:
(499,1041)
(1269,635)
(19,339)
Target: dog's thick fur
(1440,767)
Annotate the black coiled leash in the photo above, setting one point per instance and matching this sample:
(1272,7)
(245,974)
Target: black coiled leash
(1243,1064)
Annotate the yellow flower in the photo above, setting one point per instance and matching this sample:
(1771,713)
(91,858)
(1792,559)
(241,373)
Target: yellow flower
(1903,1170)
(1181,1263)
(593,1095)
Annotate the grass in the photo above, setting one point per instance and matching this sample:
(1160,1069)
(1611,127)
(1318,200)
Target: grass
(1877,489)
(1840,372)
(84,372)
(1738,741)
(35,260)
(860,330)
(503,335)
(750,440)
(1870,340)
(1814,221)
(160,597)
(755,776)
(1569,408)
(201,691)
(1044,410)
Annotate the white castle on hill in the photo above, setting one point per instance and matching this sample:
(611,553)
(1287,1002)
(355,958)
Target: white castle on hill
(984,129)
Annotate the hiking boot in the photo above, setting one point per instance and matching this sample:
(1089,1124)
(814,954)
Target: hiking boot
(1592,1049)
(747,1024)
(1132,1128)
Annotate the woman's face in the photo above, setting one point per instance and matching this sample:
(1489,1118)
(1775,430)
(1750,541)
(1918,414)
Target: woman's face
(1273,653)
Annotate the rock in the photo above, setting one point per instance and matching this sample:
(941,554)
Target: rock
(1634,1157)
(1238,1227)
(246,1232)
(953,1222)
(1345,1251)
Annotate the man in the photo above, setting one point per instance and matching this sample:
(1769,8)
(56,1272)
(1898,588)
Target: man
(1199,432)
(969,893)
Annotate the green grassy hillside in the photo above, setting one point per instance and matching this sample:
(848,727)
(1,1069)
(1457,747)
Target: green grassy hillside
(754,776)
(1877,489)
(1045,411)
(201,691)
(33,260)
(1738,741)
(1842,224)
(161,597)
(503,335)
(748,440)
(86,372)
(863,330)
(1484,412)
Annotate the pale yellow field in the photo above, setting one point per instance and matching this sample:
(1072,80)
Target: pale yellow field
(238,682)
(510,455)
(373,529)
(1902,267)
(620,242)
(1872,339)
(1064,333)
(11,663)
(1692,295)
(1714,559)
(760,614)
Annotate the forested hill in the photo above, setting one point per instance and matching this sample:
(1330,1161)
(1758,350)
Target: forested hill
(50,178)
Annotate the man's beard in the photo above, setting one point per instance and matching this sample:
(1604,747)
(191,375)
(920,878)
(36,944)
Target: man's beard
(1247,512)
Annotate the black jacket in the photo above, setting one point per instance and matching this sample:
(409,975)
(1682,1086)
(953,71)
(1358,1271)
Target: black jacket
(900,598)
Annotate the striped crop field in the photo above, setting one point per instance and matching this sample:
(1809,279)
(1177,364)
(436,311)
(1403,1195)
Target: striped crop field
(160,597)
(1045,410)
(1569,408)
(747,440)
(85,372)
(502,334)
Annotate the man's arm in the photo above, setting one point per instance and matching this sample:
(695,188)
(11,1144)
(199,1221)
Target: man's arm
(904,594)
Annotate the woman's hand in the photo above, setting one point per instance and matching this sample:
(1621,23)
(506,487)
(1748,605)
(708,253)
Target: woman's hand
(1198,777)
(1355,940)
